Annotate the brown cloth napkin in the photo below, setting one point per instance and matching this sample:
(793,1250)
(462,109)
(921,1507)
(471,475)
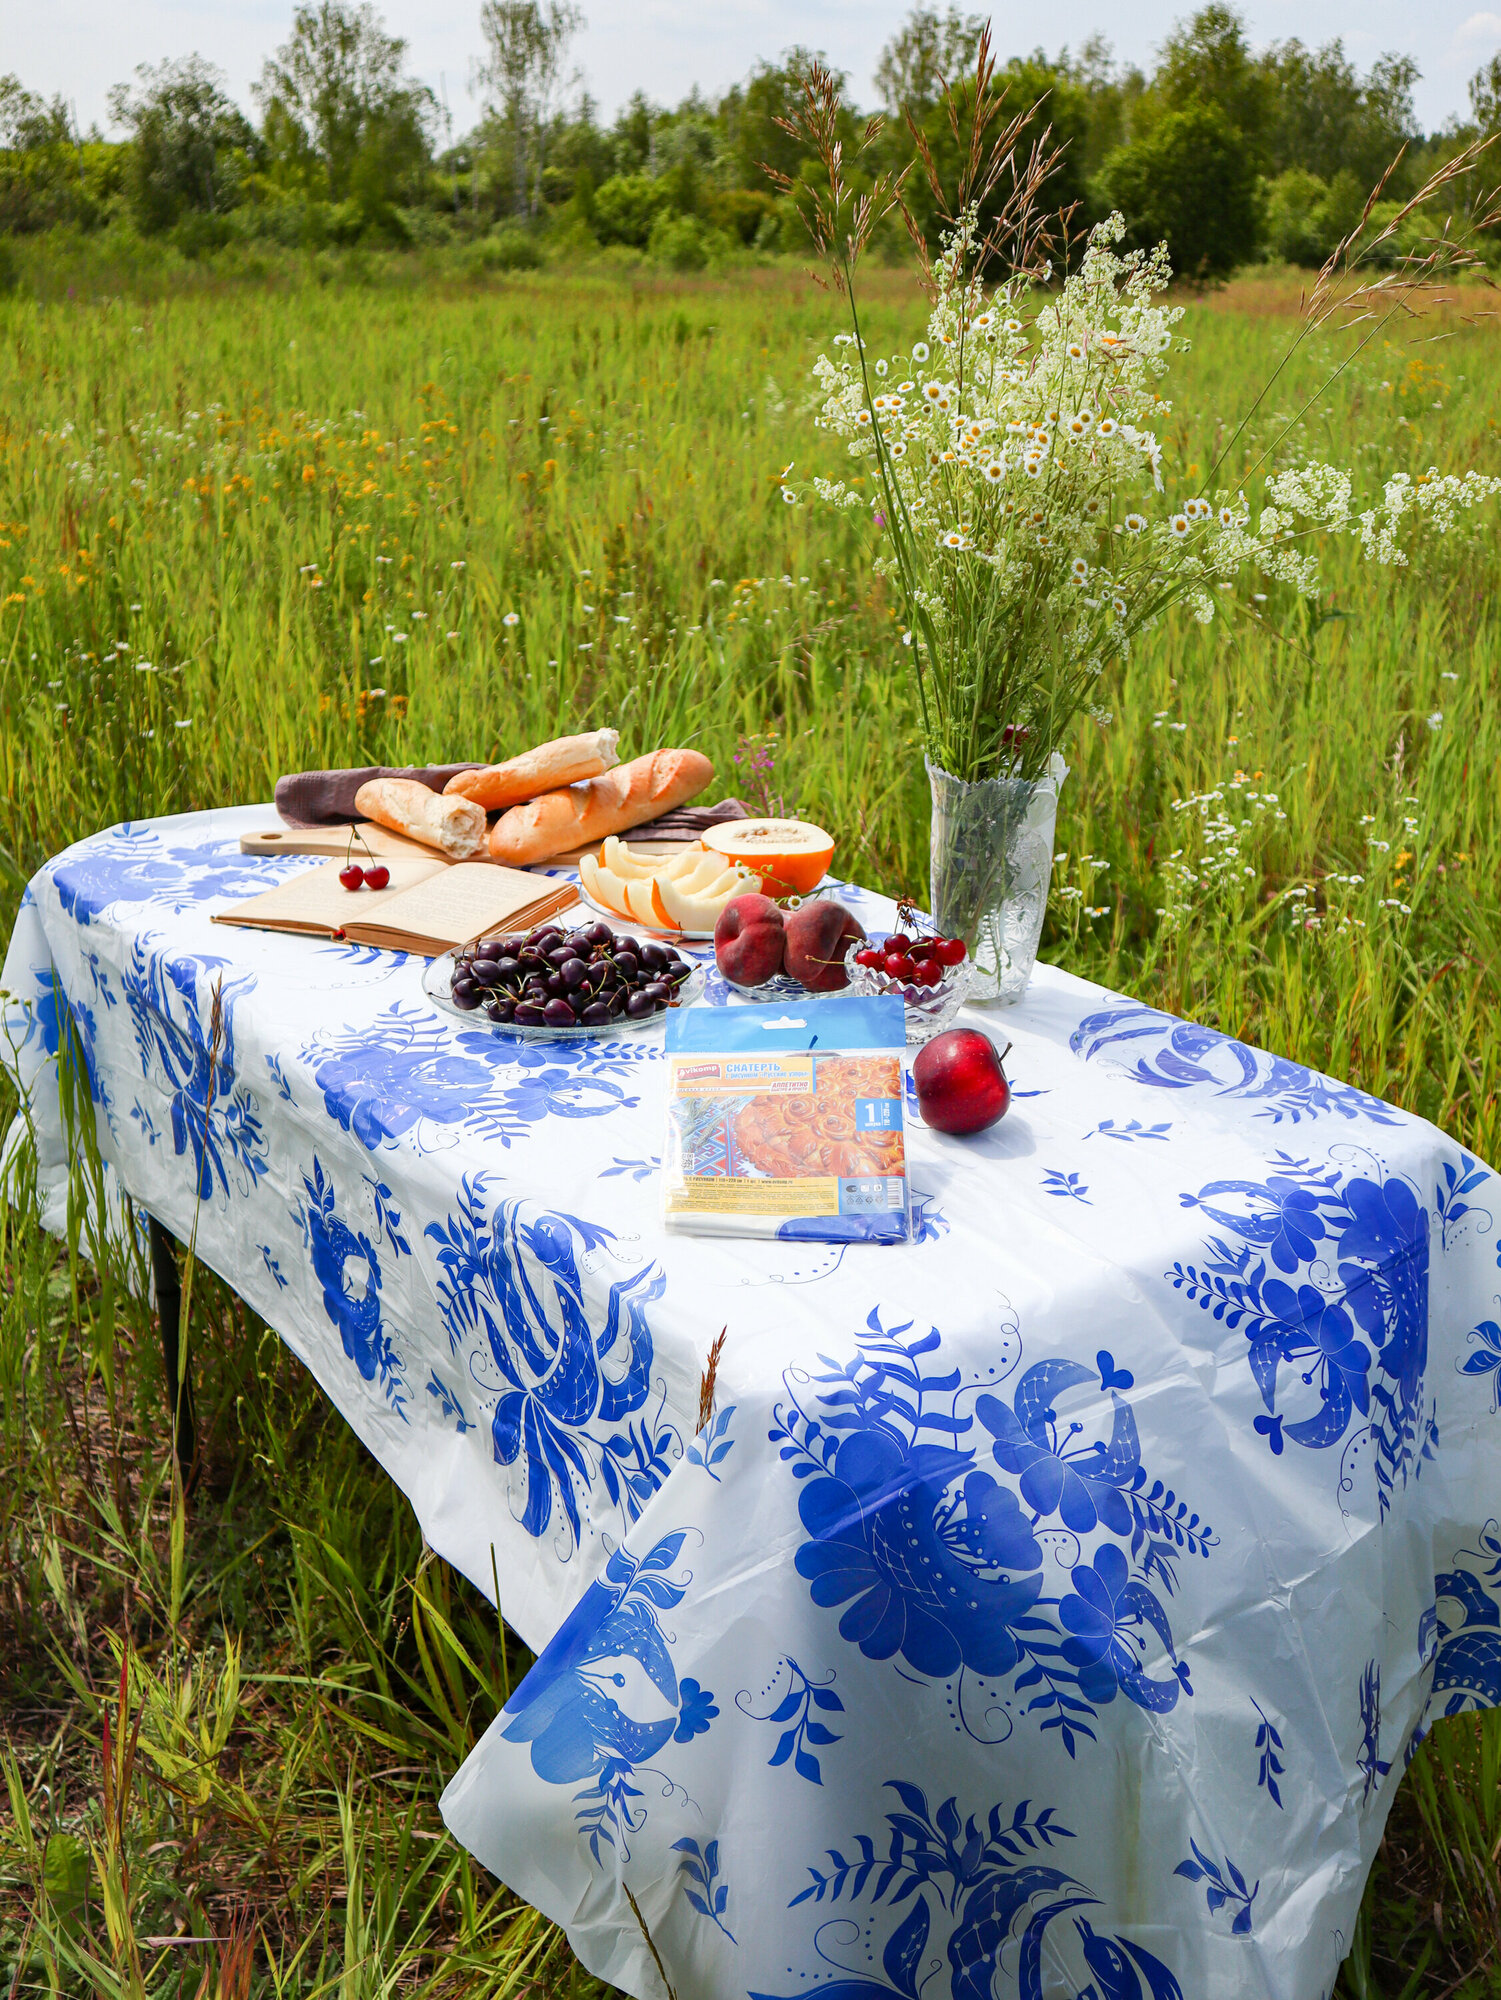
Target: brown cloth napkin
(687,822)
(326,798)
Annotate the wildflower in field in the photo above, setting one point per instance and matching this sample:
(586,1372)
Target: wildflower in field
(1179,525)
(1436,720)
(1136,524)
(920,351)
(511,618)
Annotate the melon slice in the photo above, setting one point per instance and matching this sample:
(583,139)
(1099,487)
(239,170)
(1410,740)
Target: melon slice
(790,856)
(618,858)
(705,868)
(604,885)
(645,905)
(698,909)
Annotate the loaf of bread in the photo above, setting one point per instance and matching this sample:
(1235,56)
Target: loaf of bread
(628,796)
(456,827)
(544,769)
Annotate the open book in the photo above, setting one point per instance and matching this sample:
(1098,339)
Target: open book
(428,907)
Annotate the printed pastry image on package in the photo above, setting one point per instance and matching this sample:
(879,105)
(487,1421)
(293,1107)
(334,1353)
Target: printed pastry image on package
(788,1124)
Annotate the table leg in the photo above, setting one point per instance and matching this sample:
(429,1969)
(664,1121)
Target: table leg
(169,1310)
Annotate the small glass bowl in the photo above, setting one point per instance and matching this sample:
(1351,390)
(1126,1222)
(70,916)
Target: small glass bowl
(929,1008)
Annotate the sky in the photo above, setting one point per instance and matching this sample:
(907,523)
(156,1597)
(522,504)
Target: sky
(78,48)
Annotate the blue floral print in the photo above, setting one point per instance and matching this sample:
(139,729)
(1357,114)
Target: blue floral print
(571,1377)
(980,1887)
(381,1081)
(939,1565)
(604,1698)
(134,864)
(215,1116)
(1179,1055)
(1467,1622)
(1354,1325)
(347,1268)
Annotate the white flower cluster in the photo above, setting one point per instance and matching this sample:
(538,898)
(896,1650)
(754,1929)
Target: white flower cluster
(1022,482)
(1213,867)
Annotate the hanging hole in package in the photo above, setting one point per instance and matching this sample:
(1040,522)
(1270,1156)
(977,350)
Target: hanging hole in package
(789,1126)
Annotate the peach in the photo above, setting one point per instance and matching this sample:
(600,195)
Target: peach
(749,940)
(818,935)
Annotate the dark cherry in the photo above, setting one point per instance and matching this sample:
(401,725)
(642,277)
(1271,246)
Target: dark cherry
(557,985)
(528,1016)
(486,972)
(596,1014)
(627,964)
(468,999)
(638,1006)
(558,1014)
(597,934)
(489,949)
(658,992)
(508,966)
(500,1010)
(573,972)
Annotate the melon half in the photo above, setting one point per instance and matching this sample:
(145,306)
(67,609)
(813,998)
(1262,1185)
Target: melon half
(790,856)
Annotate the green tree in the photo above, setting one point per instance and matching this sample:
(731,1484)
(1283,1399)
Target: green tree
(522,76)
(754,138)
(342,119)
(190,144)
(1485,95)
(1190,181)
(928,49)
(1208,60)
(42,169)
(1056,116)
(1324,117)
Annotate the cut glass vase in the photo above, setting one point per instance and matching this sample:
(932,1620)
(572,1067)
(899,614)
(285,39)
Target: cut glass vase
(991,860)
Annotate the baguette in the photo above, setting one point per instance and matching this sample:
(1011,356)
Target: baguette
(544,769)
(456,827)
(628,796)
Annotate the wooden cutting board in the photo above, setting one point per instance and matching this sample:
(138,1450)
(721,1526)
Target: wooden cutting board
(334,841)
(330,841)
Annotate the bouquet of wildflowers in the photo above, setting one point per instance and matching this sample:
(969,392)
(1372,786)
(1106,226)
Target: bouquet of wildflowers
(1024,513)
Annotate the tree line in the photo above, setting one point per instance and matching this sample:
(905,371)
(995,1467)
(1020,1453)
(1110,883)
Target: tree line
(1229,152)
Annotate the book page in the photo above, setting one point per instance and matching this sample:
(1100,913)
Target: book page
(461,900)
(317,902)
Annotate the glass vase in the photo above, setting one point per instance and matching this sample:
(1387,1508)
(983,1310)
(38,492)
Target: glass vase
(991,858)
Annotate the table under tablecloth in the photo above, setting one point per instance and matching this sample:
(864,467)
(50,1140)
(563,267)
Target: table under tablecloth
(1050,1606)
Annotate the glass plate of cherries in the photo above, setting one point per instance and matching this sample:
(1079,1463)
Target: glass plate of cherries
(928,973)
(555,984)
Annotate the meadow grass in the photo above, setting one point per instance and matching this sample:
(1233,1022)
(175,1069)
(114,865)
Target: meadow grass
(251,526)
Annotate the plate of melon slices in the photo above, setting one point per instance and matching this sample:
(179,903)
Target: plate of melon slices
(684,893)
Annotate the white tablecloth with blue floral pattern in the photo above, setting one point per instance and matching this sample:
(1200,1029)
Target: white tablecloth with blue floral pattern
(1051,1606)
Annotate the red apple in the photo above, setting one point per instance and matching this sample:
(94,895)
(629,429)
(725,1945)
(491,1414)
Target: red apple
(819,933)
(961,1086)
(749,940)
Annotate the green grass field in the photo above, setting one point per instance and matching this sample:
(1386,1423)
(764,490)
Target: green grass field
(251,527)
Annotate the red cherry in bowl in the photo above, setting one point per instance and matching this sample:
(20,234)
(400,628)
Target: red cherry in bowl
(378,876)
(961,1087)
(353,877)
(949,951)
